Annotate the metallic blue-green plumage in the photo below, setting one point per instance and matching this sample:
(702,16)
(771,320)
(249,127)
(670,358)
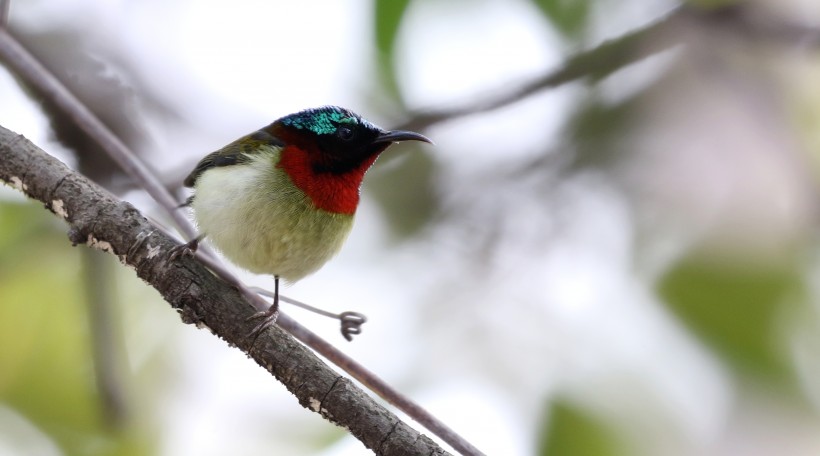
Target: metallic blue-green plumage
(324,120)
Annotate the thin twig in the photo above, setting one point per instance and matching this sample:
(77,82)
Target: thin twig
(610,56)
(28,68)
(596,63)
(741,18)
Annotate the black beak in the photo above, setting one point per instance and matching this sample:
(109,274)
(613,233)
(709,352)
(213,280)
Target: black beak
(401,135)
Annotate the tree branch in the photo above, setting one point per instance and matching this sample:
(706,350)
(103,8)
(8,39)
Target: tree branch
(595,63)
(743,19)
(99,220)
(31,71)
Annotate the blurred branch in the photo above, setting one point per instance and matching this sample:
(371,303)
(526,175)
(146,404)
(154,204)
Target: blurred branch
(106,84)
(4,13)
(595,63)
(99,220)
(105,346)
(29,69)
(610,56)
(750,21)
(25,66)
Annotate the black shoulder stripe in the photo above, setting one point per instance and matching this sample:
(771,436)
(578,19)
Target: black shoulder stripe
(234,153)
(225,157)
(224,160)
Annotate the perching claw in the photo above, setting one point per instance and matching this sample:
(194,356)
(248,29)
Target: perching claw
(268,316)
(268,319)
(351,321)
(187,249)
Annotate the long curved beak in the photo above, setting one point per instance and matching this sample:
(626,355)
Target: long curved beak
(401,135)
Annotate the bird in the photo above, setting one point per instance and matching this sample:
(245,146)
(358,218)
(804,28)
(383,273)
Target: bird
(281,201)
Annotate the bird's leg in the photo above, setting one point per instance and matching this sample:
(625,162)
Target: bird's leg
(187,249)
(351,321)
(268,316)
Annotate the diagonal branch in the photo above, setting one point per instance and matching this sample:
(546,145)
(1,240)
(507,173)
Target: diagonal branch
(99,220)
(595,63)
(741,18)
(31,71)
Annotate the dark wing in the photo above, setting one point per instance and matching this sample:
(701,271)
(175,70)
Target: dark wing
(235,153)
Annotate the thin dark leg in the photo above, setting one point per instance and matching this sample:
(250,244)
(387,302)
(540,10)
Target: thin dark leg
(351,321)
(275,304)
(268,316)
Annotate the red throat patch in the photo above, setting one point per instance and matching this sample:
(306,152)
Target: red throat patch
(337,193)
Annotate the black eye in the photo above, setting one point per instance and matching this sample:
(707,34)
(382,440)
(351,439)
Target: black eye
(345,133)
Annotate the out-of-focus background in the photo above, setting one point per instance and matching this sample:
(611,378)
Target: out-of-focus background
(626,264)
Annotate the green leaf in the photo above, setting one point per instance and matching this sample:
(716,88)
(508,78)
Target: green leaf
(572,431)
(736,309)
(568,16)
(386,22)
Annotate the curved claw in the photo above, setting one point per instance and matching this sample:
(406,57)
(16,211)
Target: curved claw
(187,249)
(351,324)
(268,319)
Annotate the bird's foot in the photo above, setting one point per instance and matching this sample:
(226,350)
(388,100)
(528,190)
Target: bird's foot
(351,322)
(187,249)
(268,318)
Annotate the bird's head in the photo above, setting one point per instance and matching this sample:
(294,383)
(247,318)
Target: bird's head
(327,151)
(336,140)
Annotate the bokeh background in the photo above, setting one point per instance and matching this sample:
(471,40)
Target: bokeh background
(625,264)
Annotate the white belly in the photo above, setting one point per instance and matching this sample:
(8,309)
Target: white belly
(261,222)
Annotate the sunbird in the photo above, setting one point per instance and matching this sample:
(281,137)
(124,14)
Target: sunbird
(281,200)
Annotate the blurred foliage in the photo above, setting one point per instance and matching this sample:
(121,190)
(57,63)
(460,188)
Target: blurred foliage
(572,431)
(405,193)
(46,373)
(386,22)
(568,16)
(596,129)
(737,309)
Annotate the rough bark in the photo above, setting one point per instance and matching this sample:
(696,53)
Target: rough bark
(99,220)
